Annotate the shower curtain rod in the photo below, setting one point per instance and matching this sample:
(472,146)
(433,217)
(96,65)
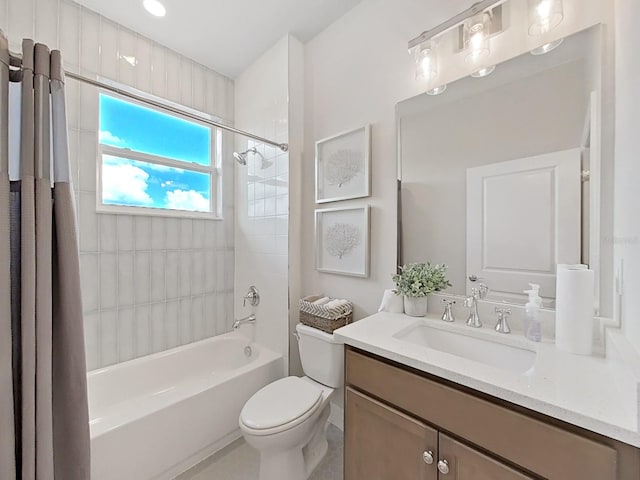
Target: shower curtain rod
(16,61)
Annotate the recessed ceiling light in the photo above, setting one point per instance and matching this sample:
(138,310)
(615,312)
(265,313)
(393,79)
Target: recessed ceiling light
(484,72)
(437,91)
(547,47)
(155,8)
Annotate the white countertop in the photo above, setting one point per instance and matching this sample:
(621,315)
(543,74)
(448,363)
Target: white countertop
(586,391)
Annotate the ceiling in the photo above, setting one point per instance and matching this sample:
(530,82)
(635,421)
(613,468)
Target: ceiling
(225,35)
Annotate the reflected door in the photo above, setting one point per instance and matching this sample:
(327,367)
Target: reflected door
(523,218)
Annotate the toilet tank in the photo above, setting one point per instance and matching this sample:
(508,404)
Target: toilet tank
(322,356)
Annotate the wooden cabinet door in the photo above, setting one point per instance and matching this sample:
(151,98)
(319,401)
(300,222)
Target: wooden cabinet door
(465,463)
(384,444)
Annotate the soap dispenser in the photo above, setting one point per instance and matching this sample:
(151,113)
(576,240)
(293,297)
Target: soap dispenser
(532,326)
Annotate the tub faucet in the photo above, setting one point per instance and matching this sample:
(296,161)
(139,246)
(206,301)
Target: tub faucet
(472,303)
(250,319)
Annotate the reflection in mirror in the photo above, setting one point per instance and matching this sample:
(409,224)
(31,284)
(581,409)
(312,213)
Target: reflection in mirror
(493,173)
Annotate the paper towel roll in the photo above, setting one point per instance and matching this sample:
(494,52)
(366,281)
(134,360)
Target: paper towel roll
(391,302)
(574,309)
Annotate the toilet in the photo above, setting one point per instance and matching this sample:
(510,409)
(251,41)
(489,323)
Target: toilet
(286,420)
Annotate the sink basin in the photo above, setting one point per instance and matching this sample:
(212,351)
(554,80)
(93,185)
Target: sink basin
(506,357)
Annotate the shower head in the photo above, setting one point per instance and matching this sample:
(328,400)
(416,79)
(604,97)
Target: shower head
(241,157)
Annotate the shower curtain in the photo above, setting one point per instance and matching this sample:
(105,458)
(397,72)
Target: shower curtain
(44,430)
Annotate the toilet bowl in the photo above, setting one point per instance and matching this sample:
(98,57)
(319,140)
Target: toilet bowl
(286,420)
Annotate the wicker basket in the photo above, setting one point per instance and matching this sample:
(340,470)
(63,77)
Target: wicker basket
(322,318)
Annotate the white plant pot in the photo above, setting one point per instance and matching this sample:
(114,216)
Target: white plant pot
(415,306)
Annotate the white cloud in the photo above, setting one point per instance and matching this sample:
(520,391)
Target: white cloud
(187,200)
(125,183)
(111,139)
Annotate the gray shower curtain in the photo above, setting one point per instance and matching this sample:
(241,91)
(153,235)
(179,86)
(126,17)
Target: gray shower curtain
(43,396)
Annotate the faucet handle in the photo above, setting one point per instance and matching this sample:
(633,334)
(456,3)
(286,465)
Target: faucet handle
(447,315)
(253,296)
(502,326)
(483,291)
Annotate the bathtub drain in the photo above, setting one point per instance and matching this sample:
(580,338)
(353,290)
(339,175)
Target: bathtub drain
(247,351)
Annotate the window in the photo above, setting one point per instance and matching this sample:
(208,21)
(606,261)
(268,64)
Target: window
(155,162)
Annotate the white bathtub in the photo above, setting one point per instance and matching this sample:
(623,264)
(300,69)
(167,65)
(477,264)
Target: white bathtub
(156,416)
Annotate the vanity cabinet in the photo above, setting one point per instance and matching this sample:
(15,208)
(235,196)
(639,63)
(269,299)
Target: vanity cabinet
(382,443)
(398,419)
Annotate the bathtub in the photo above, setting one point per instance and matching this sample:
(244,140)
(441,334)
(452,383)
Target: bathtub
(156,416)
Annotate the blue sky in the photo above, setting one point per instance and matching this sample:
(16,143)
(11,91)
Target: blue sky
(132,182)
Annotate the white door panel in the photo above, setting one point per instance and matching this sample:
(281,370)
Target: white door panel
(523,218)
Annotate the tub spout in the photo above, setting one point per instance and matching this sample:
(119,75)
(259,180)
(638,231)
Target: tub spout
(250,319)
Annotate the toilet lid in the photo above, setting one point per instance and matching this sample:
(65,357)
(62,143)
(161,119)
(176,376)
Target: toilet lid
(279,403)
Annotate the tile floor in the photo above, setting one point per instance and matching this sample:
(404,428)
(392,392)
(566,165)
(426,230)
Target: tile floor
(239,461)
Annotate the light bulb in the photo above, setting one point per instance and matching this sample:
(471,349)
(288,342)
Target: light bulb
(426,62)
(476,39)
(544,16)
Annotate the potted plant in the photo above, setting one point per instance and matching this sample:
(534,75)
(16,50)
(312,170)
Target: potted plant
(417,280)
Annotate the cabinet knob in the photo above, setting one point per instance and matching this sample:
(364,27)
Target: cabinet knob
(443,467)
(428,457)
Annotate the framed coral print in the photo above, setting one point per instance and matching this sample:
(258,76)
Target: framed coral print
(342,241)
(343,164)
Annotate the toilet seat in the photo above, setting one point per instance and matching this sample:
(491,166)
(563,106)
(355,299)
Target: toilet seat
(280,406)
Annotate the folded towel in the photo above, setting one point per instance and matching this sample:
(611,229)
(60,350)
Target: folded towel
(391,302)
(337,303)
(322,301)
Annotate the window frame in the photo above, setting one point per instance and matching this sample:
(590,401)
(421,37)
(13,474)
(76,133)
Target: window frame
(214,169)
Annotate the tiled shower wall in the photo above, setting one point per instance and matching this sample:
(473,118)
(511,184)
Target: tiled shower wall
(149,284)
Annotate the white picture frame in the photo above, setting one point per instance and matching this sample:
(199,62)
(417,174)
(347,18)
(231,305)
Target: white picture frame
(342,241)
(343,166)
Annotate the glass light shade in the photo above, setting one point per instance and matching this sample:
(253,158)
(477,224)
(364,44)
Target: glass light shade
(544,15)
(426,62)
(484,72)
(476,38)
(547,47)
(437,91)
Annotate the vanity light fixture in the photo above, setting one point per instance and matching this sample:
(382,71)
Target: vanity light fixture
(476,37)
(437,91)
(544,15)
(547,47)
(484,72)
(154,7)
(426,61)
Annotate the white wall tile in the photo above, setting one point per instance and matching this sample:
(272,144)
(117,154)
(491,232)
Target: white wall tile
(186,233)
(186,82)
(88,222)
(90,281)
(89,116)
(87,160)
(46,27)
(172,275)
(90,41)
(108,337)
(198,88)
(210,275)
(109,49)
(126,334)
(158,327)
(159,72)
(172,234)
(125,279)
(197,317)
(21,21)
(172,65)
(171,323)
(69,28)
(142,233)
(157,272)
(143,330)
(210,315)
(127,57)
(198,240)
(197,273)
(92,340)
(126,235)
(108,280)
(142,279)
(185,323)
(158,235)
(108,233)
(185,273)
(144,52)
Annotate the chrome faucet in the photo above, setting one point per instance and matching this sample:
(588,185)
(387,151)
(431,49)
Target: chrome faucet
(447,315)
(252,296)
(471,302)
(503,314)
(251,319)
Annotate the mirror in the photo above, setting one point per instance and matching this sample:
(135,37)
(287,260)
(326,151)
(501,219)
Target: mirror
(500,177)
